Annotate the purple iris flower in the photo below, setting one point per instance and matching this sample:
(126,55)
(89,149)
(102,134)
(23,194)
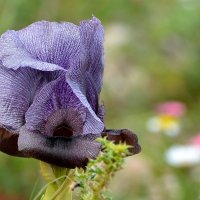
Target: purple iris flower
(50,82)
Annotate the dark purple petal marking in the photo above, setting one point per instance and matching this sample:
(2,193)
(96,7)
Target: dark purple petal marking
(65,122)
(123,136)
(68,152)
(8,143)
(61,151)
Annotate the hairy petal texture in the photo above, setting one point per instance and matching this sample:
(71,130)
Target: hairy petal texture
(58,95)
(66,152)
(70,118)
(17,91)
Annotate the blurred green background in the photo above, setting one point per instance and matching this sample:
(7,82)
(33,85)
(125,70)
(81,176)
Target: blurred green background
(152,52)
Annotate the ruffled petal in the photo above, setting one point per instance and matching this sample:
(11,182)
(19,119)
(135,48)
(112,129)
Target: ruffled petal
(65,152)
(17,91)
(51,46)
(58,96)
(123,136)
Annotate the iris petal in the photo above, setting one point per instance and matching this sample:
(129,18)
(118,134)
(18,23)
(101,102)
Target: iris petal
(92,38)
(14,55)
(95,125)
(17,91)
(52,42)
(66,152)
(58,95)
(50,46)
(91,94)
(123,136)
(8,143)
(69,118)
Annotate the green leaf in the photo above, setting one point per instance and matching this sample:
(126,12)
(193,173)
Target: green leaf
(63,192)
(51,189)
(60,181)
(47,171)
(46,186)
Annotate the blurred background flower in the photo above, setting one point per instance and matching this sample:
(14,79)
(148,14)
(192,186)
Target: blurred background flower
(171,108)
(196,140)
(151,56)
(183,155)
(167,119)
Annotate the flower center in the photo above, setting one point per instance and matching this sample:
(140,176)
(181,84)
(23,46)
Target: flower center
(63,130)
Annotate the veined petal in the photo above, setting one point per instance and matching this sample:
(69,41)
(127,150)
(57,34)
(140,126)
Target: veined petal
(59,95)
(92,38)
(95,125)
(86,72)
(50,46)
(52,42)
(14,55)
(17,91)
(90,64)
(65,122)
(101,112)
(91,94)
